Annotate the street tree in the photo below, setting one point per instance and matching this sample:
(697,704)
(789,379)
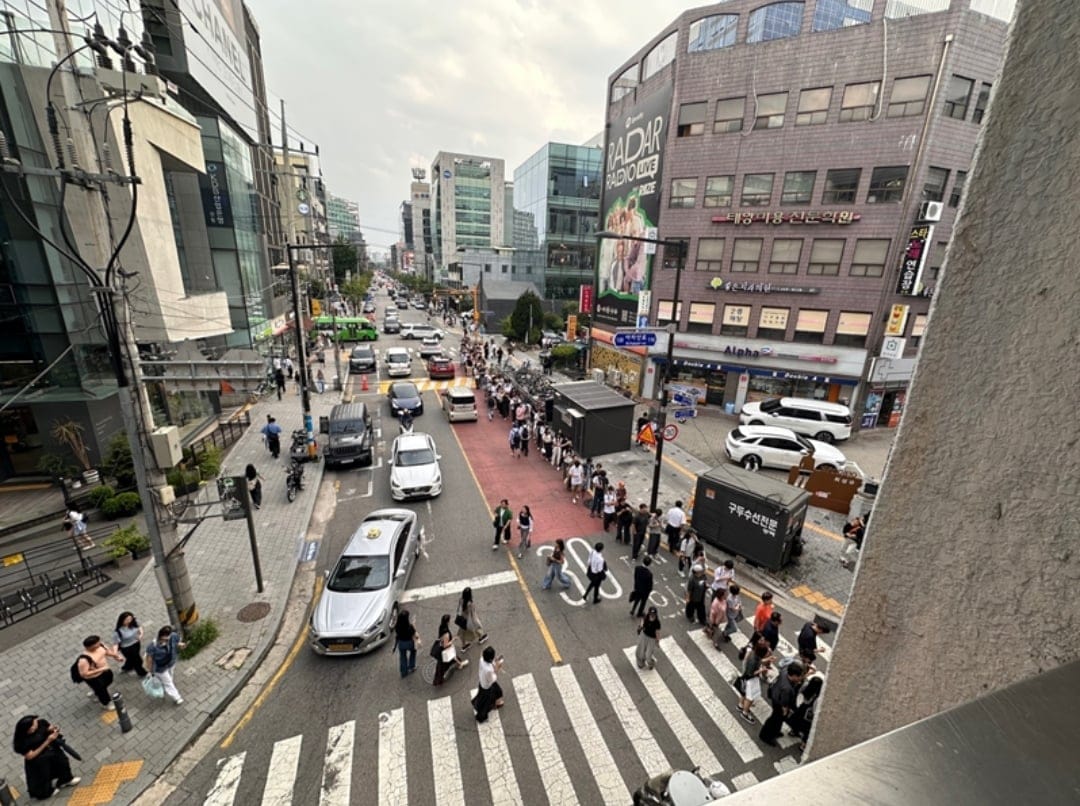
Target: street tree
(528,313)
(345,259)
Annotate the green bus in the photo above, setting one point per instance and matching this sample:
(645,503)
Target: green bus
(349,328)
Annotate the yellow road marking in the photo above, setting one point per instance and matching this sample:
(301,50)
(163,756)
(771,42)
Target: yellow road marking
(815,528)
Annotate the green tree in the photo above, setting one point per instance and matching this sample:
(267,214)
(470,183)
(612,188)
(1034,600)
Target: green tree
(528,309)
(119,462)
(345,259)
(355,289)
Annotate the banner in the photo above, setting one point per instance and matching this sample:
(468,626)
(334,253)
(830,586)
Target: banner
(630,205)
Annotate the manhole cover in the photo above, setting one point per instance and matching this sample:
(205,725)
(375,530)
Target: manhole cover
(253,612)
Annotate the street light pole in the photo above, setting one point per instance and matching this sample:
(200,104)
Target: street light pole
(301,352)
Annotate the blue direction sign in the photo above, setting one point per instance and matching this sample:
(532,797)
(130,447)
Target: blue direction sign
(635,338)
(683,399)
(684,414)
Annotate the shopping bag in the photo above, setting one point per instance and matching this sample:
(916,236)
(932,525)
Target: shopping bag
(153,687)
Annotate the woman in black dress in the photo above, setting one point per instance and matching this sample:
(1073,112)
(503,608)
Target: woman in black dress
(46,765)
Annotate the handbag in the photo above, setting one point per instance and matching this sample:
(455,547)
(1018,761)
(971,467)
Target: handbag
(153,687)
(461,621)
(436,650)
(448,654)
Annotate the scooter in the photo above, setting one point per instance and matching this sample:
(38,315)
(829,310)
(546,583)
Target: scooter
(680,788)
(294,480)
(405,426)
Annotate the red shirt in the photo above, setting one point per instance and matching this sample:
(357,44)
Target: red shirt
(762,615)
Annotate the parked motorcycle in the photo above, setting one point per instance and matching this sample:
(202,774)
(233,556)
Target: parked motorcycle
(294,480)
(298,450)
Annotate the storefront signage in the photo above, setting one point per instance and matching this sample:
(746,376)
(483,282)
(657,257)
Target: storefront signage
(898,316)
(914,259)
(215,195)
(720,284)
(747,352)
(892,347)
(585,298)
(779,217)
(710,366)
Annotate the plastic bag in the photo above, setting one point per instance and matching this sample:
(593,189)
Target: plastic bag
(153,687)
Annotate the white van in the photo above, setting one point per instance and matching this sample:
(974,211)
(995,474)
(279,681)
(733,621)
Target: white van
(398,362)
(819,419)
(459,403)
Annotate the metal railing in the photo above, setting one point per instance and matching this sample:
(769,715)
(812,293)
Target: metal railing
(222,437)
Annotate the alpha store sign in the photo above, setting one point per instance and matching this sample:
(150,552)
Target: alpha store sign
(914,259)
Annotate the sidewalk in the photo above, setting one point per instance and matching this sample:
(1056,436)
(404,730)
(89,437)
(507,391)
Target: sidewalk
(117,766)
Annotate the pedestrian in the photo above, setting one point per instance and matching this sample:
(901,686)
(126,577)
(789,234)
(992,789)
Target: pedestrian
(803,719)
(556,449)
(648,640)
(674,521)
(597,572)
(763,611)
(501,522)
(782,697)
(447,652)
(406,639)
(717,614)
(854,531)
(162,656)
(127,640)
(489,694)
(643,585)
(75,526)
(490,405)
(272,433)
(685,554)
(254,483)
(771,631)
(754,668)
(639,427)
(93,669)
(620,493)
(44,761)
(598,481)
(640,524)
(320,381)
(523,438)
(695,594)
(548,437)
(279,382)
(576,476)
(515,440)
(555,562)
(624,520)
(288,366)
(525,528)
(654,530)
(609,508)
(733,611)
(807,640)
(723,576)
(469,627)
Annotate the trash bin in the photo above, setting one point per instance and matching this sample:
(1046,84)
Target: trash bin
(729,408)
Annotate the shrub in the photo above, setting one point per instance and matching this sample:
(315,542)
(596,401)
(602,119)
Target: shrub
(210,461)
(203,634)
(120,506)
(183,481)
(119,462)
(99,495)
(552,321)
(128,540)
(57,466)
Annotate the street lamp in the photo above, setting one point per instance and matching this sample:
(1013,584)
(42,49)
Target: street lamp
(672,329)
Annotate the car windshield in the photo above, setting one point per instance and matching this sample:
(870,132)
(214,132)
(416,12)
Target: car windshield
(404,390)
(397,359)
(804,443)
(357,574)
(362,352)
(415,458)
(346,426)
(770,405)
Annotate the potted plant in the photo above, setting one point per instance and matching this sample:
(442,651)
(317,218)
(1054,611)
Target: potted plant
(126,544)
(70,433)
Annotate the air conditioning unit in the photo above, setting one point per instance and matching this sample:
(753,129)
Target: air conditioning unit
(930,211)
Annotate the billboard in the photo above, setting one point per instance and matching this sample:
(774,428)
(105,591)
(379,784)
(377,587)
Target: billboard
(214,186)
(216,46)
(630,205)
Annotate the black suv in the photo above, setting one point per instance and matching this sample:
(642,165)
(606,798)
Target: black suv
(362,359)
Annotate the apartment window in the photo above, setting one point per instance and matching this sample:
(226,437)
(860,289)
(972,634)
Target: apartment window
(487,268)
(869,257)
(736,320)
(505,269)
(683,192)
(908,96)
(770,110)
(713,33)
(745,255)
(757,190)
(785,256)
(675,252)
(691,119)
(957,189)
(798,187)
(813,106)
(887,185)
(663,311)
(701,317)
(841,185)
(718,190)
(772,323)
(934,186)
(851,329)
(958,96)
(859,101)
(981,102)
(729,115)
(810,326)
(825,257)
(710,254)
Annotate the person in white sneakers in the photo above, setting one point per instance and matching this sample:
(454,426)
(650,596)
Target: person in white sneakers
(161,658)
(41,746)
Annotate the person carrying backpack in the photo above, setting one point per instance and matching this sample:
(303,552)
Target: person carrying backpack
(92,668)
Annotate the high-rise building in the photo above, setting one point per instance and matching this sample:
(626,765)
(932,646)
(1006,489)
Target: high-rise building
(342,218)
(304,206)
(420,203)
(467,203)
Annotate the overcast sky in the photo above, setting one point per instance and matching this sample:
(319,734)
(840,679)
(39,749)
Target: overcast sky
(382,86)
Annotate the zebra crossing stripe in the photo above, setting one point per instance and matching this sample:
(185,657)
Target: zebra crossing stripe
(548,760)
(393,779)
(746,779)
(496,753)
(223,792)
(284,762)
(445,764)
(605,772)
(337,766)
(641,738)
(695,746)
(738,738)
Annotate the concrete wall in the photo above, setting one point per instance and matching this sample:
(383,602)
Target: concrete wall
(968,577)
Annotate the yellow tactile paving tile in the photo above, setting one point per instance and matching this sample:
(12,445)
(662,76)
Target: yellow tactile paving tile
(800,591)
(109,717)
(105,784)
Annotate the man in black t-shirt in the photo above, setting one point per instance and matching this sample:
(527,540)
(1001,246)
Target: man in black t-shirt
(782,697)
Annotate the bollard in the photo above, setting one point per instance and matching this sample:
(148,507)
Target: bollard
(121,712)
(7,797)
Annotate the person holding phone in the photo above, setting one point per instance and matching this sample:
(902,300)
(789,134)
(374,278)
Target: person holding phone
(47,768)
(490,694)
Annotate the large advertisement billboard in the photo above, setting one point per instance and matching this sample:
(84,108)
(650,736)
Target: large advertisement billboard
(218,57)
(630,205)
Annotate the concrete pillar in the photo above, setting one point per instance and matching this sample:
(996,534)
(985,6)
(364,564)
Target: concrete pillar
(969,575)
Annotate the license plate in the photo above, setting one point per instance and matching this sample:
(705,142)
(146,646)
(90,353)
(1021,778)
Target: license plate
(340,647)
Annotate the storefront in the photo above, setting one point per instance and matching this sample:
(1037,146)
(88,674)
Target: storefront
(889,379)
(623,368)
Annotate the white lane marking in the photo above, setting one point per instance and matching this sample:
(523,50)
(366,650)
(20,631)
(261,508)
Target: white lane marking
(719,713)
(223,792)
(393,781)
(337,766)
(445,764)
(695,746)
(605,772)
(786,764)
(281,776)
(746,779)
(497,762)
(652,757)
(548,760)
(455,588)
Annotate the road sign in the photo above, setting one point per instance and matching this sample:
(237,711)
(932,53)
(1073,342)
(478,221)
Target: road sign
(671,431)
(635,338)
(684,414)
(683,399)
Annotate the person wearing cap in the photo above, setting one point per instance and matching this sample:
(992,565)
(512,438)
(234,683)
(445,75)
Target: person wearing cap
(695,594)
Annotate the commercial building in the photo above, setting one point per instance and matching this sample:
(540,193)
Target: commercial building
(342,218)
(420,204)
(810,158)
(468,202)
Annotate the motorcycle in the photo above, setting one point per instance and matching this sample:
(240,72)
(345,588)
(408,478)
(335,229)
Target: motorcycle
(406,424)
(294,480)
(298,450)
(680,788)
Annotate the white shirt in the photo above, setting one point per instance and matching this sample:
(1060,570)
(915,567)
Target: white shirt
(596,561)
(676,517)
(577,474)
(487,674)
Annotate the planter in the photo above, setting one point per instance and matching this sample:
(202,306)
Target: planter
(91,477)
(123,560)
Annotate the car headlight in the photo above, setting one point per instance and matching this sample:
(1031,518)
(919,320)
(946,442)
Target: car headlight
(374,628)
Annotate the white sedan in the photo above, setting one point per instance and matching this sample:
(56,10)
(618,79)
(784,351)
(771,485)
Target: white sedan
(414,468)
(757,446)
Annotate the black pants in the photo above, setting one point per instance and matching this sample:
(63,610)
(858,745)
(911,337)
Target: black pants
(256,494)
(770,731)
(639,538)
(640,600)
(622,532)
(609,518)
(273,442)
(695,609)
(594,585)
(672,538)
(100,686)
(502,533)
(133,659)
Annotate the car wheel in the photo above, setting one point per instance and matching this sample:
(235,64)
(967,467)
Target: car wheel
(824,436)
(393,618)
(751,463)
(756,422)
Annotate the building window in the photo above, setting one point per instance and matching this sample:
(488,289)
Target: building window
(859,101)
(691,119)
(813,106)
(674,251)
(663,311)
(757,190)
(776,21)
(958,96)
(718,190)
(825,257)
(770,111)
(908,96)
(625,84)
(785,256)
(869,257)
(729,115)
(710,254)
(810,326)
(934,186)
(851,329)
(505,269)
(957,189)
(736,320)
(746,255)
(683,192)
(487,268)
(887,185)
(831,15)
(660,56)
(841,185)
(981,102)
(701,317)
(798,187)
(713,33)
(772,323)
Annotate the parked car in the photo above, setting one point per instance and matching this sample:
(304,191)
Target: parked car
(362,359)
(414,467)
(756,446)
(398,362)
(820,419)
(357,609)
(430,346)
(549,338)
(440,368)
(404,396)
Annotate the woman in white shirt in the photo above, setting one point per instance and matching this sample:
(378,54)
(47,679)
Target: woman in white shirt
(525,527)
(490,694)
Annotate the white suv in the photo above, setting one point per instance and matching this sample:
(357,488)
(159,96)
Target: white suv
(757,446)
(825,422)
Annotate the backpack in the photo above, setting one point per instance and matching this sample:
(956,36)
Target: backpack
(75,676)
